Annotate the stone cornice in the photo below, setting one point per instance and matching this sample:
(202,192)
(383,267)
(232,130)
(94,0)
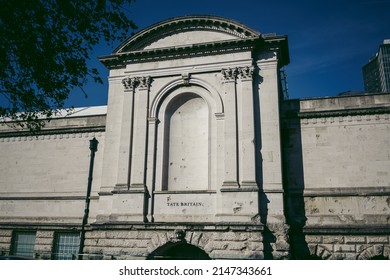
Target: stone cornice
(177,225)
(53,131)
(243,38)
(339,192)
(338,112)
(121,59)
(45,198)
(40,226)
(340,230)
(344,112)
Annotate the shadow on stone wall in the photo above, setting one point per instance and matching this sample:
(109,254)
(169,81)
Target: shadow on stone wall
(268,237)
(293,179)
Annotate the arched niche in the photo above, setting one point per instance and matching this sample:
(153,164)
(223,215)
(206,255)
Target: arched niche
(186,145)
(186,149)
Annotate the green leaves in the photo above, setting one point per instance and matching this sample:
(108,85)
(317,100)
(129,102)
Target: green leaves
(44,48)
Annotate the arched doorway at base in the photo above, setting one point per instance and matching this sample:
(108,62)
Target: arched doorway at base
(178,251)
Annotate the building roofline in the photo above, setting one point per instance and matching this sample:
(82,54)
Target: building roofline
(174,22)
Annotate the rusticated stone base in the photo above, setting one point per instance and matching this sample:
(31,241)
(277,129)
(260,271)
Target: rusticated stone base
(217,241)
(148,241)
(5,241)
(43,244)
(336,244)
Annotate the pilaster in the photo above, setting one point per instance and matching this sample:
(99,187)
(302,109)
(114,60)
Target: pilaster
(139,148)
(246,128)
(268,94)
(151,156)
(271,186)
(238,196)
(130,197)
(230,129)
(126,135)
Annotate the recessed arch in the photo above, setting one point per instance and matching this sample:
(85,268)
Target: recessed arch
(377,252)
(186,148)
(178,251)
(161,104)
(318,252)
(204,89)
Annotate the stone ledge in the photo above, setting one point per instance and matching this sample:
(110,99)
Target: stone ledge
(335,192)
(185,192)
(47,198)
(56,131)
(41,226)
(347,230)
(173,226)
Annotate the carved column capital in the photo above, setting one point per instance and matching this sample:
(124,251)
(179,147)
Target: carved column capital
(246,72)
(144,82)
(131,83)
(229,74)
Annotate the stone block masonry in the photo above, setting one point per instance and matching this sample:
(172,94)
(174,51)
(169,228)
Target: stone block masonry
(348,246)
(136,243)
(5,241)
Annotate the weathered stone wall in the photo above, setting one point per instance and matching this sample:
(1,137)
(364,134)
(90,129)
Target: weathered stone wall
(336,171)
(352,247)
(5,241)
(44,244)
(337,160)
(222,243)
(43,178)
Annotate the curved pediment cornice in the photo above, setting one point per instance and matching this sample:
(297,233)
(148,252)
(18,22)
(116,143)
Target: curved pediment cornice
(160,35)
(192,36)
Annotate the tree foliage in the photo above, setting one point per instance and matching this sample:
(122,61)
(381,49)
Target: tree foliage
(44,49)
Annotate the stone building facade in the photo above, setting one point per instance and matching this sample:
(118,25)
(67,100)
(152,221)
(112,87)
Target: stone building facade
(200,156)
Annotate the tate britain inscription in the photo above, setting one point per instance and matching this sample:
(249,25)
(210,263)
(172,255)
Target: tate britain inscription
(185,204)
(171,203)
(184,207)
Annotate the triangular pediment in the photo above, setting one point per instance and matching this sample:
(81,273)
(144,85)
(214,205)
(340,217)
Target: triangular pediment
(187,31)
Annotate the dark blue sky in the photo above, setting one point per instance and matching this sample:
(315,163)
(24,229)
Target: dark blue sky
(329,40)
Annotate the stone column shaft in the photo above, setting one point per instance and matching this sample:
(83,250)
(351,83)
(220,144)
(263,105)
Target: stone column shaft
(246,132)
(230,130)
(140,131)
(151,156)
(126,135)
(270,126)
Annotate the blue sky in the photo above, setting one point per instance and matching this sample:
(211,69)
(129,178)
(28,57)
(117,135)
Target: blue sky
(329,40)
